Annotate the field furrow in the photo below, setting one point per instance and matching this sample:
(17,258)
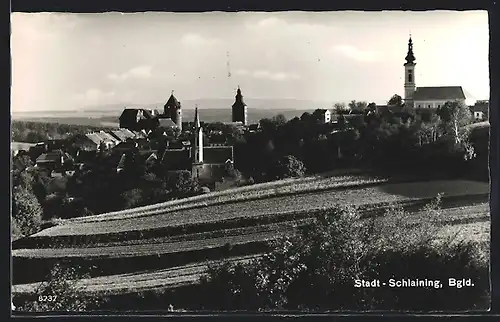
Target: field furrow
(307,201)
(268,189)
(140,280)
(147,247)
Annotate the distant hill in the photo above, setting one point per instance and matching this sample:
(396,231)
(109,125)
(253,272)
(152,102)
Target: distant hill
(211,110)
(223,103)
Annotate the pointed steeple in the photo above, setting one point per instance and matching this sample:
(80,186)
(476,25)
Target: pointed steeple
(196,117)
(239,98)
(410,57)
(239,108)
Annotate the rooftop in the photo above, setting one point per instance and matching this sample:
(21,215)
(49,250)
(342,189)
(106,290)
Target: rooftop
(166,122)
(439,93)
(217,154)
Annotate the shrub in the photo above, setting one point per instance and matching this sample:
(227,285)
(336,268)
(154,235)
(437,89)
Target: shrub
(287,167)
(181,183)
(26,211)
(132,198)
(60,293)
(316,269)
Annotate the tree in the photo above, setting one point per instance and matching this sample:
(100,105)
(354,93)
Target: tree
(455,116)
(26,211)
(181,183)
(21,161)
(268,125)
(395,101)
(61,293)
(289,166)
(357,107)
(340,108)
(132,198)
(372,107)
(279,119)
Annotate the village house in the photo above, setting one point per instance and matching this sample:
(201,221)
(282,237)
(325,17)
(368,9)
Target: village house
(480,110)
(135,119)
(325,116)
(122,134)
(53,160)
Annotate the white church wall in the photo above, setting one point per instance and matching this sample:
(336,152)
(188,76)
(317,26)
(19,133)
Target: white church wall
(431,104)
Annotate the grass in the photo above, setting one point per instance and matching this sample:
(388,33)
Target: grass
(272,206)
(133,282)
(257,191)
(190,274)
(143,249)
(215,239)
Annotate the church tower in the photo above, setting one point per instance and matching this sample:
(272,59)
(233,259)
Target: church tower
(409,75)
(172,109)
(198,138)
(239,108)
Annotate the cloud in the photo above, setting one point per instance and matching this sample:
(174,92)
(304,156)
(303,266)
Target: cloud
(264,74)
(196,40)
(140,72)
(282,26)
(355,53)
(94,96)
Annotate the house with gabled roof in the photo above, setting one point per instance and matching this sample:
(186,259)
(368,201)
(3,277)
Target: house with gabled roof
(136,119)
(52,160)
(480,110)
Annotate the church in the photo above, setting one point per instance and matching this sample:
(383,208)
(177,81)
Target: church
(427,97)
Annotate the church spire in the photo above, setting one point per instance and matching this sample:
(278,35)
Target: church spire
(239,97)
(196,117)
(410,57)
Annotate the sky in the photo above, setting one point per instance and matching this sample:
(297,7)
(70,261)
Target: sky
(66,61)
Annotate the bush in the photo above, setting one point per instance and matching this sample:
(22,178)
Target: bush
(316,269)
(60,293)
(26,211)
(288,166)
(181,183)
(132,198)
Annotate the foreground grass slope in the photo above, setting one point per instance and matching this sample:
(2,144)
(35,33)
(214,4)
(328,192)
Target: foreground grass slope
(469,223)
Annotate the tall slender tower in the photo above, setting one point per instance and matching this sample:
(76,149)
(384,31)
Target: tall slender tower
(173,110)
(240,110)
(409,75)
(198,138)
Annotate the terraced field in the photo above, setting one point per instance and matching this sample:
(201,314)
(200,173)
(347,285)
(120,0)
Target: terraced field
(136,282)
(325,181)
(470,222)
(167,245)
(276,205)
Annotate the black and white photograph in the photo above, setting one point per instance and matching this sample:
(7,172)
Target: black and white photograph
(290,161)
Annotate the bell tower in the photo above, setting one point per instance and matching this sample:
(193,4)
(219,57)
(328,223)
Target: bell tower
(409,84)
(239,110)
(172,109)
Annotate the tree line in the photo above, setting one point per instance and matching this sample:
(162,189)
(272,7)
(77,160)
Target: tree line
(34,132)
(422,140)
